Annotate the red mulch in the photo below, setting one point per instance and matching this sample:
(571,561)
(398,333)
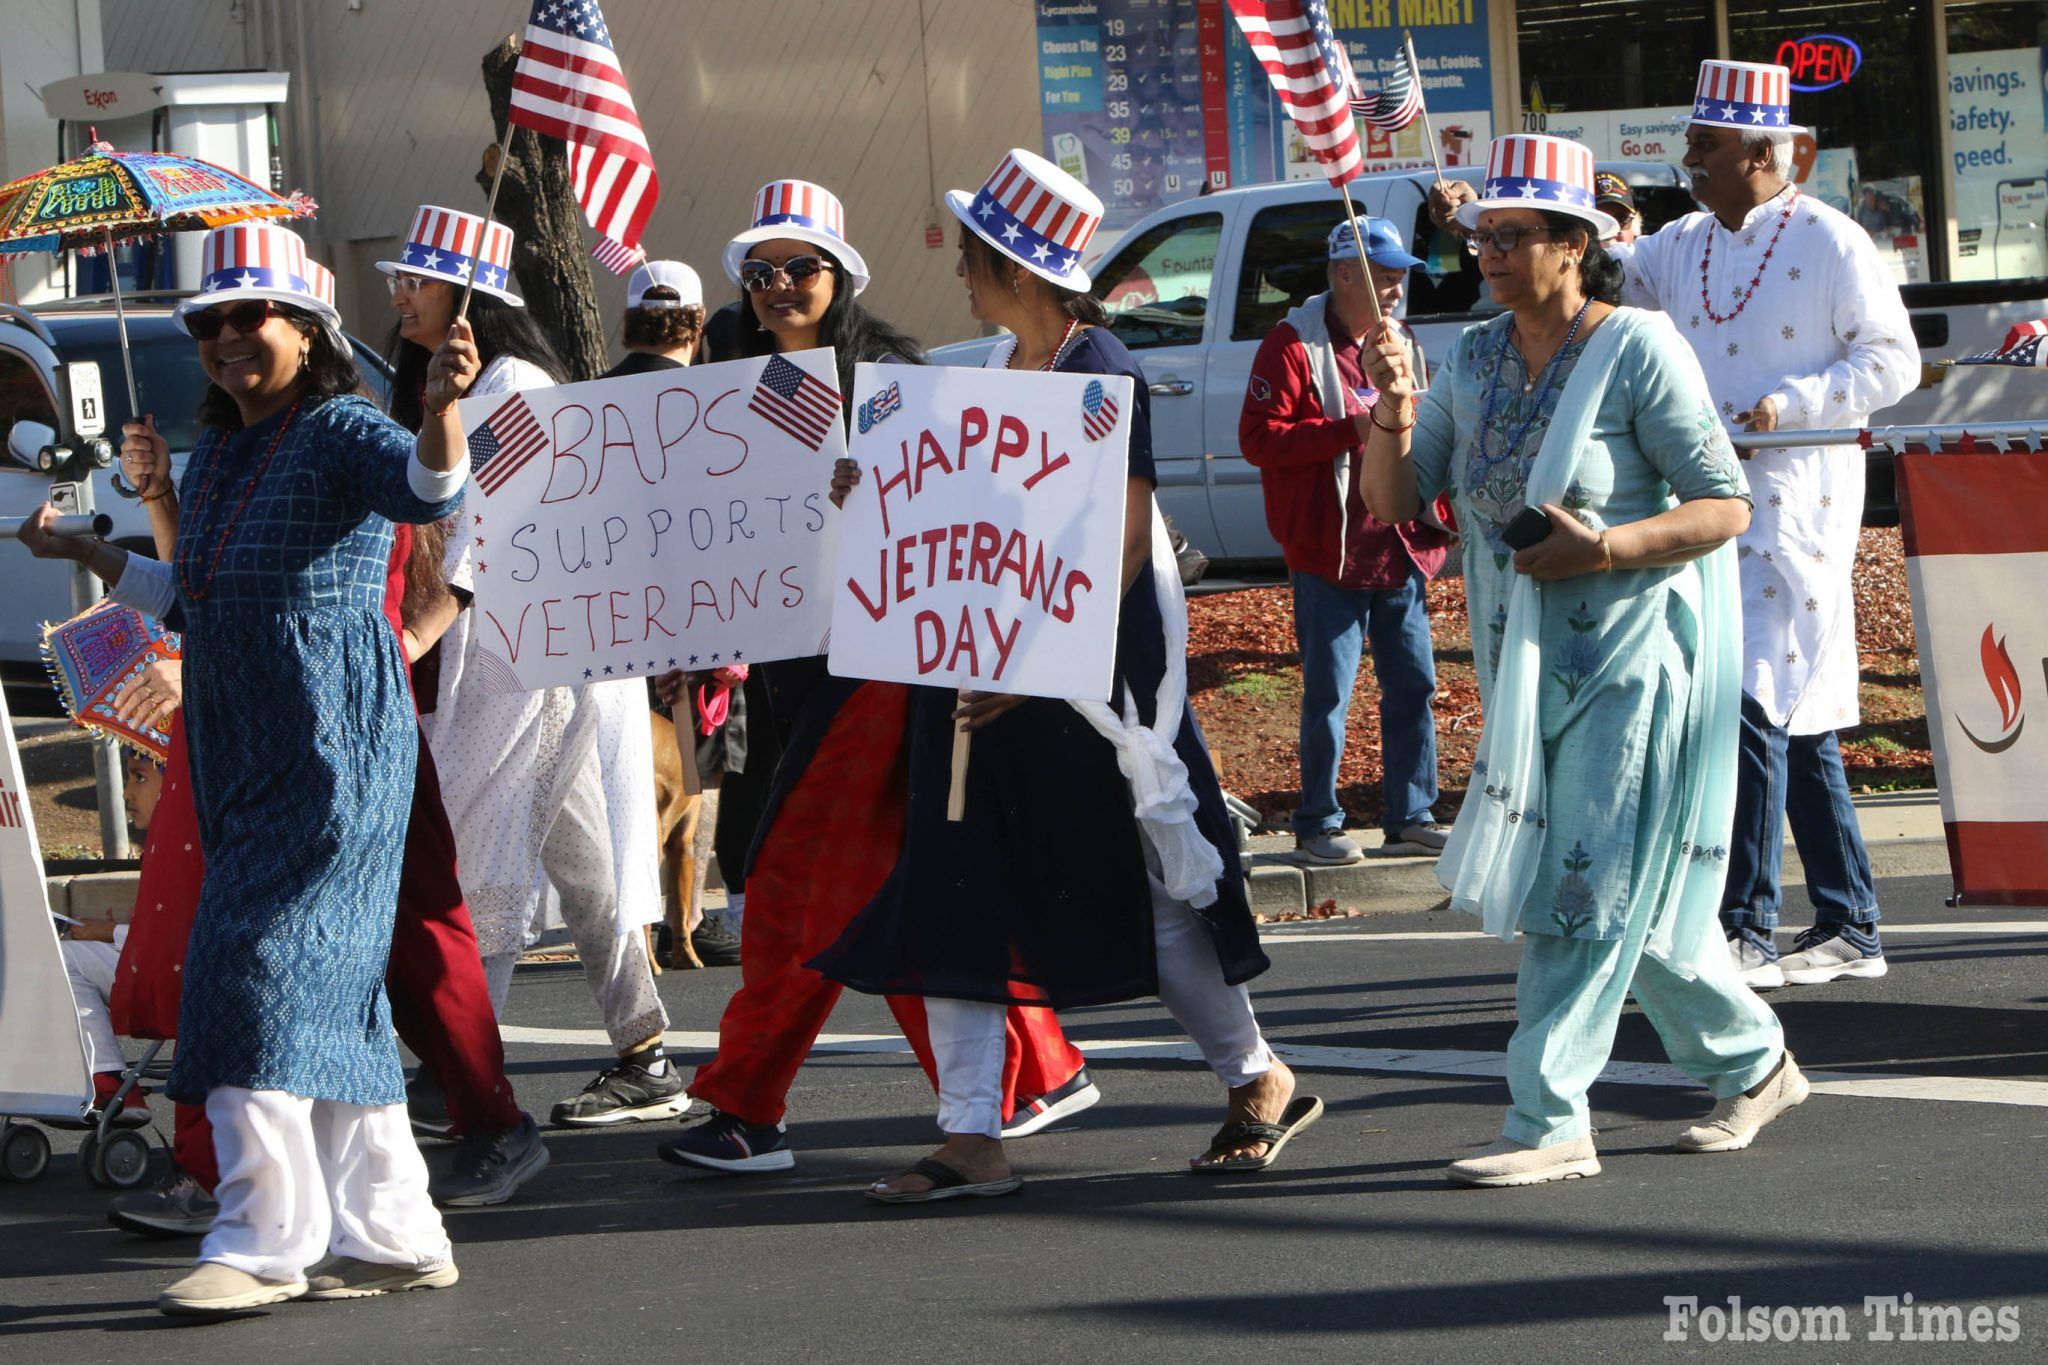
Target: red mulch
(1244,676)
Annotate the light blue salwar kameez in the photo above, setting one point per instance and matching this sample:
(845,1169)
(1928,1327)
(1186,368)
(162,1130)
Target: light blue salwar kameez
(1614,826)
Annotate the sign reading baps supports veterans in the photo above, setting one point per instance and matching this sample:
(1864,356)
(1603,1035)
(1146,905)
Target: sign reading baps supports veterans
(983,547)
(675,519)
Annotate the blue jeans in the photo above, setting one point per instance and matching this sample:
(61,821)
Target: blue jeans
(1330,625)
(1784,777)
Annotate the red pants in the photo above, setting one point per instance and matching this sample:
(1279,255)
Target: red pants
(833,843)
(435,979)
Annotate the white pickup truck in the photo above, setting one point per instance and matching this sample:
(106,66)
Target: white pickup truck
(1194,287)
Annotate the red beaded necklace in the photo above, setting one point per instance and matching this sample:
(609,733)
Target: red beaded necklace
(1707,259)
(1073,326)
(193,591)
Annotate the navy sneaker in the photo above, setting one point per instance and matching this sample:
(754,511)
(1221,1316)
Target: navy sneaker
(1827,951)
(726,1142)
(1070,1099)
(489,1168)
(1756,958)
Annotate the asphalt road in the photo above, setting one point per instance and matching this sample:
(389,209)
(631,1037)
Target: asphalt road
(1916,1170)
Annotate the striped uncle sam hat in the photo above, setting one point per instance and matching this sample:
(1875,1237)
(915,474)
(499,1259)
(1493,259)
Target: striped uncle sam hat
(256,261)
(447,244)
(1035,213)
(1753,96)
(798,210)
(321,281)
(1536,171)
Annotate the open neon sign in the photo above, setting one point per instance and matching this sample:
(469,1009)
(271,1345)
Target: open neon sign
(1820,61)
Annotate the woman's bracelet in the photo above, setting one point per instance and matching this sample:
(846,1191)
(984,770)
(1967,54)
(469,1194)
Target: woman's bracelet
(1606,554)
(1374,417)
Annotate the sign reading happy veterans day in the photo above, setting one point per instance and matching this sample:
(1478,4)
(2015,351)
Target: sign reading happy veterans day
(677,519)
(983,547)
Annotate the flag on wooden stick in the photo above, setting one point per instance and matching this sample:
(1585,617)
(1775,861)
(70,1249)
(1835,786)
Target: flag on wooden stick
(1295,43)
(1398,102)
(569,84)
(617,257)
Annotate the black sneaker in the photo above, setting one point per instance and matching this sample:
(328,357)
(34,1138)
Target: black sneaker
(1034,1115)
(426,1105)
(173,1207)
(626,1093)
(489,1168)
(724,1142)
(716,945)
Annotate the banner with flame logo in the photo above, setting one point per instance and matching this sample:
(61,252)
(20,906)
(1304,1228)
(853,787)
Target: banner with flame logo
(1976,528)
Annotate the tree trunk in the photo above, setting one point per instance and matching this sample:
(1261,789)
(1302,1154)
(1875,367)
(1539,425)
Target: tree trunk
(538,202)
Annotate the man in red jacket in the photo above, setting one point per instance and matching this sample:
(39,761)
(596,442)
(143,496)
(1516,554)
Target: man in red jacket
(1356,579)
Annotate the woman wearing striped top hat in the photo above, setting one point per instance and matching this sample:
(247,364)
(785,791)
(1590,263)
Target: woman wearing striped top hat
(302,742)
(1140,900)
(1598,493)
(831,825)
(552,787)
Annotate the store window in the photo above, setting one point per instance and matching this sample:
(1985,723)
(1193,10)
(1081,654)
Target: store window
(1631,55)
(1868,96)
(1998,172)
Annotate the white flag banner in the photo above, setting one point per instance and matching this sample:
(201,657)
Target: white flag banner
(983,548)
(673,519)
(42,1064)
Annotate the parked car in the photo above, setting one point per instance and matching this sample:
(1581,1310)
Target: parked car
(1193,288)
(35,344)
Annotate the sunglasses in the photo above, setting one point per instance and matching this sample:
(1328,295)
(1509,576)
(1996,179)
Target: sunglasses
(801,271)
(1504,240)
(246,317)
(402,283)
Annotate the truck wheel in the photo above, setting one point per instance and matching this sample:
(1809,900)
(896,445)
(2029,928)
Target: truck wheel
(24,1155)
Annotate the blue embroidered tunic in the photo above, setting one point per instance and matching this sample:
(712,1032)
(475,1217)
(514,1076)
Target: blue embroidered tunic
(303,744)
(1618,647)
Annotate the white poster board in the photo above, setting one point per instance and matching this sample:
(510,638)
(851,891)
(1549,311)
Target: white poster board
(983,548)
(42,1057)
(675,519)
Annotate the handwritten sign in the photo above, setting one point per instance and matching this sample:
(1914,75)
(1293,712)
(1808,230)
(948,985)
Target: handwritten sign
(983,547)
(676,519)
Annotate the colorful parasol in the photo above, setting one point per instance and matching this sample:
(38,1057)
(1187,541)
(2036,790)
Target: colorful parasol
(96,201)
(97,652)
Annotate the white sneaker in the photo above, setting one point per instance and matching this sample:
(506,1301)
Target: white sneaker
(1827,951)
(210,1289)
(1756,959)
(346,1277)
(1508,1162)
(1735,1122)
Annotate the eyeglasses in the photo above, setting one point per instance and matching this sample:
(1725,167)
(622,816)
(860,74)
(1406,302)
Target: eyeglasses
(801,271)
(1504,240)
(245,317)
(402,283)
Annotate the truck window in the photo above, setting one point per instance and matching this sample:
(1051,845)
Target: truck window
(1156,287)
(23,398)
(1284,258)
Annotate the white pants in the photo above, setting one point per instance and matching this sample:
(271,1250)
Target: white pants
(967,1035)
(301,1178)
(577,857)
(91,968)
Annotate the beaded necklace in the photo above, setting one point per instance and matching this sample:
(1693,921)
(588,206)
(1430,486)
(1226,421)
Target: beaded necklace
(1486,460)
(203,497)
(1073,326)
(1707,259)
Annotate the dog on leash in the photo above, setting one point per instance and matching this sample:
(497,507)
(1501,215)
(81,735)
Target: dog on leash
(676,816)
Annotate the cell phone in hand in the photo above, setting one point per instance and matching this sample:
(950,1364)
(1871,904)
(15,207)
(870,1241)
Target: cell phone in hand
(1530,525)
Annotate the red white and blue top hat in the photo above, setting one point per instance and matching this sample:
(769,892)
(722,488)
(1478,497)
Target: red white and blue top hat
(256,261)
(1753,96)
(1036,214)
(321,281)
(447,244)
(1535,171)
(803,212)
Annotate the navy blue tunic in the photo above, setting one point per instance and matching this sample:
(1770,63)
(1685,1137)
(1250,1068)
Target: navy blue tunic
(303,744)
(1039,895)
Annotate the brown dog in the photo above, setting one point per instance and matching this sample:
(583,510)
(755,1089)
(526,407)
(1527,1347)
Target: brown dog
(676,816)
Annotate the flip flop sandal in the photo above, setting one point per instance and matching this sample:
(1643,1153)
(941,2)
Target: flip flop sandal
(1300,1113)
(948,1183)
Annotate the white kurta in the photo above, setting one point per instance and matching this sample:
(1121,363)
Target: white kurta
(1826,335)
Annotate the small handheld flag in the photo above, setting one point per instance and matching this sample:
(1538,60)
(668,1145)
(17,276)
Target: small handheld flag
(568,84)
(2022,348)
(1295,43)
(1398,103)
(617,257)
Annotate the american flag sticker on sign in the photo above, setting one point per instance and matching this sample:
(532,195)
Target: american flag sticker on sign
(1098,411)
(504,443)
(796,401)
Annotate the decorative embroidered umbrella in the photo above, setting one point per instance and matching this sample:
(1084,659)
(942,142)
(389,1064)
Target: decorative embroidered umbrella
(101,199)
(94,655)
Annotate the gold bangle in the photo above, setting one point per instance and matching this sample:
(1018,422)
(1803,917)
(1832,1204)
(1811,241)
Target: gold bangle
(1606,554)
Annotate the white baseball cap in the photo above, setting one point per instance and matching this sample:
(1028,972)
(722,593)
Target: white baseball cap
(664,275)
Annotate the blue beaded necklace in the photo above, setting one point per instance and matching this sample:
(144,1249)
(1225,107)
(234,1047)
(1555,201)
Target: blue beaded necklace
(1486,460)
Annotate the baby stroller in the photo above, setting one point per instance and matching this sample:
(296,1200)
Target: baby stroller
(113,1156)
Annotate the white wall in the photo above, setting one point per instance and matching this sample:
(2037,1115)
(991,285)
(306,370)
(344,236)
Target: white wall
(45,41)
(388,112)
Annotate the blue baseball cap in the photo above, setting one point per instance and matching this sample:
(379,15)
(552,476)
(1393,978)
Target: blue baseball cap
(1383,244)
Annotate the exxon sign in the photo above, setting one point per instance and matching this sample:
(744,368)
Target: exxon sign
(1819,61)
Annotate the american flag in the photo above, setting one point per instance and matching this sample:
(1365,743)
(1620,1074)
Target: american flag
(2023,347)
(796,401)
(568,84)
(1398,102)
(503,444)
(617,257)
(1294,41)
(1098,411)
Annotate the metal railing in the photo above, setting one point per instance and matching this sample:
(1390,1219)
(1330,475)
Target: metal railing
(2033,435)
